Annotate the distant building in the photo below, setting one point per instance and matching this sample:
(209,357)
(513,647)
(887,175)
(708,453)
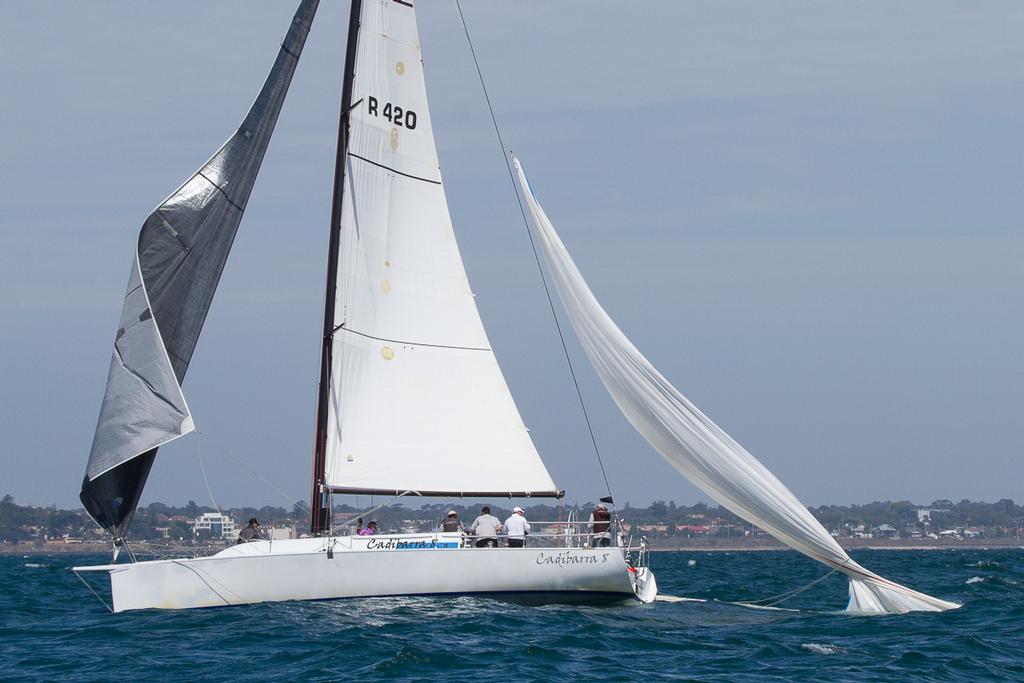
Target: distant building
(885,531)
(219,526)
(859,532)
(924,515)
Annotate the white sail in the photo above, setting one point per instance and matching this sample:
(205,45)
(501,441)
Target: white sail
(695,445)
(418,402)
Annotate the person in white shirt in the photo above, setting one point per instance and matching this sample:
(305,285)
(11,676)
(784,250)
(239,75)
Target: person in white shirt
(516,528)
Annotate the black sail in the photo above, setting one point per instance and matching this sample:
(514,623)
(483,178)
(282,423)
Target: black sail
(182,249)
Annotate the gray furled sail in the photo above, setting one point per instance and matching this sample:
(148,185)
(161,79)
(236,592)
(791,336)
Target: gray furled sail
(181,253)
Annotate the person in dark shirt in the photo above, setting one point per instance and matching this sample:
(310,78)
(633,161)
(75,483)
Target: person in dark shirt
(250,533)
(600,525)
(451,522)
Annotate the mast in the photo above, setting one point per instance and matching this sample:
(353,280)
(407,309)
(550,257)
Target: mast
(318,507)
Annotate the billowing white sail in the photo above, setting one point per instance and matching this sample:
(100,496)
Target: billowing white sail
(695,445)
(418,402)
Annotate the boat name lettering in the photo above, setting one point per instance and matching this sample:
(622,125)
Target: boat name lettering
(566,558)
(415,544)
(392,112)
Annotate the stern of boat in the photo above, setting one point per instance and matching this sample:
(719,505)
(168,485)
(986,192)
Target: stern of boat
(645,586)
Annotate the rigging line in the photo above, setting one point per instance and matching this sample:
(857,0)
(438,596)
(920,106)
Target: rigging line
(254,473)
(93,591)
(131,555)
(199,454)
(782,597)
(214,590)
(536,255)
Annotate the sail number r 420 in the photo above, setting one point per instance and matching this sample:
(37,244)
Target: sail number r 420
(392,112)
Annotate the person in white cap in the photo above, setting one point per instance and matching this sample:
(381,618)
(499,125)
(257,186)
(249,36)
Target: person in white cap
(516,528)
(451,522)
(600,525)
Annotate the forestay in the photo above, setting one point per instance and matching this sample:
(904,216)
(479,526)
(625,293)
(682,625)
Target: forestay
(695,445)
(417,402)
(181,252)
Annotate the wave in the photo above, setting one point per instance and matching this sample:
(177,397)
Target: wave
(823,648)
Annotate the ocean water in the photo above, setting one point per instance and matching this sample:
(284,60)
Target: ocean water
(52,628)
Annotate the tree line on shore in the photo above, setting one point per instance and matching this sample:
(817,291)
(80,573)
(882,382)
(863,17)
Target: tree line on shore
(28,523)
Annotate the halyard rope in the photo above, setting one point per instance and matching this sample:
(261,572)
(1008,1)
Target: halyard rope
(533,245)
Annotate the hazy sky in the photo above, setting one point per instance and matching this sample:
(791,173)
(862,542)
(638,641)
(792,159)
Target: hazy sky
(806,214)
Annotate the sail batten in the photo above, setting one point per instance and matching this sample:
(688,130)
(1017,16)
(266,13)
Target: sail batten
(692,443)
(406,342)
(417,400)
(180,254)
(446,493)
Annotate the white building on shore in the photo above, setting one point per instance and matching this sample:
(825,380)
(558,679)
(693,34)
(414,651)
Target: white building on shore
(219,526)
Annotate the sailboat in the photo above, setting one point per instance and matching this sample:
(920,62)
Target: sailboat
(411,399)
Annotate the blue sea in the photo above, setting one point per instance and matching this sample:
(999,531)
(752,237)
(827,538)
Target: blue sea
(52,628)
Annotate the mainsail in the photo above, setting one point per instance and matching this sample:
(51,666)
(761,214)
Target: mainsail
(181,252)
(416,400)
(695,445)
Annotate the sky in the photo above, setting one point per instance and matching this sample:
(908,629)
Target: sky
(808,215)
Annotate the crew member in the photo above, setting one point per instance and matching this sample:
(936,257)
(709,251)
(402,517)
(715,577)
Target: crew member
(486,528)
(251,532)
(452,522)
(600,525)
(516,528)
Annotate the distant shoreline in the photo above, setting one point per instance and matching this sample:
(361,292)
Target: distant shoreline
(685,545)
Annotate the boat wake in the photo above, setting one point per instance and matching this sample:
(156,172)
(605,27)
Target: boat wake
(676,598)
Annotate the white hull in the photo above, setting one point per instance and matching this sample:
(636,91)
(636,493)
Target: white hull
(350,567)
